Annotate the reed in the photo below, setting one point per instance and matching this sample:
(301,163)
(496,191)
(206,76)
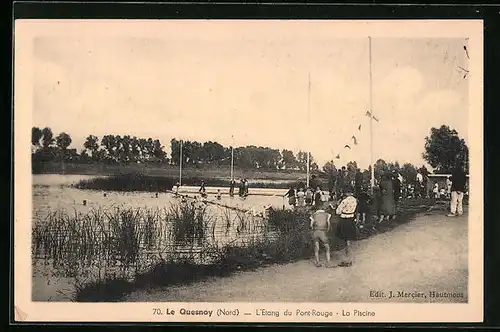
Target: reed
(128,182)
(148,183)
(112,252)
(189,223)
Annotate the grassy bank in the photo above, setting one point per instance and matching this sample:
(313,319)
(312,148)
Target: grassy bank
(141,182)
(133,248)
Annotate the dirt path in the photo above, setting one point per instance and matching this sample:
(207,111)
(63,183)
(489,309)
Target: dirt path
(427,254)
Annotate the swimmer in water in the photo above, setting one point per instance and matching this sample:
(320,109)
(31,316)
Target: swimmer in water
(202,189)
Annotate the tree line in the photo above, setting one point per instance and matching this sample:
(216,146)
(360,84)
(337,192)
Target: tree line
(130,149)
(443,150)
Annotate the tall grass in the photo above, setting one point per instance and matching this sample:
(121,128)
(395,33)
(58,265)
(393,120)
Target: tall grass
(141,182)
(189,223)
(111,252)
(128,182)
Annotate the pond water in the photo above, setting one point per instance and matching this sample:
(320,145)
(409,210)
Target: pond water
(53,193)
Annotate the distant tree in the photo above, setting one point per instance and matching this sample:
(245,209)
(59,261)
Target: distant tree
(84,156)
(135,152)
(331,172)
(289,160)
(63,140)
(444,149)
(175,146)
(143,148)
(380,168)
(409,173)
(36,136)
(351,168)
(196,152)
(91,145)
(149,146)
(117,149)
(158,152)
(47,137)
(243,158)
(302,160)
(108,143)
(393,167)
(125,152)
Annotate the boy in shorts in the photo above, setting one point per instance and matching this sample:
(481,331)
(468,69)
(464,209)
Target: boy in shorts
(320,225)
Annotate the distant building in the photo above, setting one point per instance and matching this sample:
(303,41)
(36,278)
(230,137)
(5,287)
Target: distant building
(440,179)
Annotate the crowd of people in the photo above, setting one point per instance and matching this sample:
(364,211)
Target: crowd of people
(382,203)
(355,204)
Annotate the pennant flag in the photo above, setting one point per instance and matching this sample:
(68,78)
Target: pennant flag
(347,146)
(369,114)
(354,139)
(359,127)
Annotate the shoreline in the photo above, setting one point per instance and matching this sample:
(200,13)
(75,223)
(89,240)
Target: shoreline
(114,290)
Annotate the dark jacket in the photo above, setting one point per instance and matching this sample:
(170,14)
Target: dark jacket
(396,186)
(458,180)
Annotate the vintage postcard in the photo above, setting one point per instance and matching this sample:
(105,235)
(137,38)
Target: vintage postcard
(248,171)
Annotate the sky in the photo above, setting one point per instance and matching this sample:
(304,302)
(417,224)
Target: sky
(249,85)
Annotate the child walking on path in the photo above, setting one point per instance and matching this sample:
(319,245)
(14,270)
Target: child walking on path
(346,228)
(320,225)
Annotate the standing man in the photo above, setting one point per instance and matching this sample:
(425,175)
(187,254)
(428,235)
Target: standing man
(425,180)
(231,188)
(246,187)
(202,189)
(448,187)
(419,184)
(318,197)
(396,187)
(309,196)
(358,183)
(341,182)
(320,225)
(241,191)
(458,184)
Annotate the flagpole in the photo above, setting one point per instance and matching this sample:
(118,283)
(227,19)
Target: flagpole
(308,123)
(180,165)
(372,182)
(232,145)
(232,159)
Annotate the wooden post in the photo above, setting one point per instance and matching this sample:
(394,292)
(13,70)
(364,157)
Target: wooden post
(180,166)
(372,181)
(308,124)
